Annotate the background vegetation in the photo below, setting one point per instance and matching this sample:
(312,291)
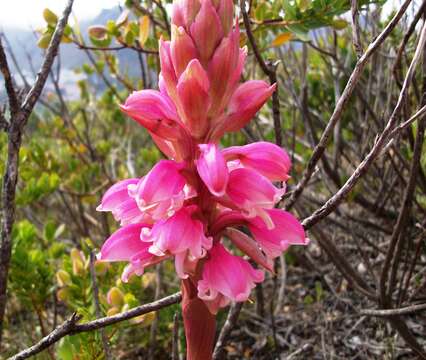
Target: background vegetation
(367,246)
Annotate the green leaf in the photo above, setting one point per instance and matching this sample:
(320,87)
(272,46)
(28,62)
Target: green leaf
(50,17)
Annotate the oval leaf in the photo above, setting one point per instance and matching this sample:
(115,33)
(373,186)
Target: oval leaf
(281,39)
(143,30)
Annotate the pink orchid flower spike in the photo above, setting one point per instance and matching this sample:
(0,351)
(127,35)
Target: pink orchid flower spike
(186,208)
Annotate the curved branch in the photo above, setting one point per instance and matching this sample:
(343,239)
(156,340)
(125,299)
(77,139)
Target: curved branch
(70,326)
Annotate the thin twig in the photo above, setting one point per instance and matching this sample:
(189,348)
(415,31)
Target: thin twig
(363,167)
(355,29)
(343,100)
(408,310)
(230,322)
(175,343)
(95,290)
(8,82)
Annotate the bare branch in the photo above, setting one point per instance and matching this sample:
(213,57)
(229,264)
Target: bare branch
(363,167)
(70,327)
(95,290)
(408,310)
(355,29)
(175,344)
(343,100)
(230,322)
(8,82)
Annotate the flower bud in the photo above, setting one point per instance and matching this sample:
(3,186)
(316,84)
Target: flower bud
(101,267)
(63,278)
(145,319)
(113,311)
(78,260)
(63,294)
(115,297)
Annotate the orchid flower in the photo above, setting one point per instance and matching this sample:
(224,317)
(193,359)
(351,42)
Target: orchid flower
(187,205)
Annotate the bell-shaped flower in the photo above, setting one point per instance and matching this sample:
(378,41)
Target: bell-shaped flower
(162,191)
(266,158)
(181,235)
(253,193)
(246,102)
(226,278)
(126,245)
(206,30)
(287,231)
(192,89)
(155,112)
(211,167)
(123,207)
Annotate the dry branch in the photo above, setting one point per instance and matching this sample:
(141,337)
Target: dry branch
(71,326)
(343,100)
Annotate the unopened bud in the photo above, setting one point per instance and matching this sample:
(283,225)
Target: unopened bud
(63,294)
(98,32)
(78,260)
(145,319)
(115,297)
(63,278)
(101,267)
(113,311)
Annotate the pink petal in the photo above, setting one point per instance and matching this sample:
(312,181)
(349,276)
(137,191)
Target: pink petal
(193,94)
(287,231)
(246,102)
(165,146)
(227,275)
(211,167)
(226,14)
(252,192)
(225,219)
(153,111)
(124,244)
(221,69)
(178,234)
(116,195)
(184,12)
(167,69)
(161,191)
(206,30)
(266,158)
(123,207)
(182,49)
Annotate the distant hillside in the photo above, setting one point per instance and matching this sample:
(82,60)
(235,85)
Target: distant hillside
(24,45)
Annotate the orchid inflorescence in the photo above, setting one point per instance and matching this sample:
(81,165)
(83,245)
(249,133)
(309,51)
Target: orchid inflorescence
(188,206)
